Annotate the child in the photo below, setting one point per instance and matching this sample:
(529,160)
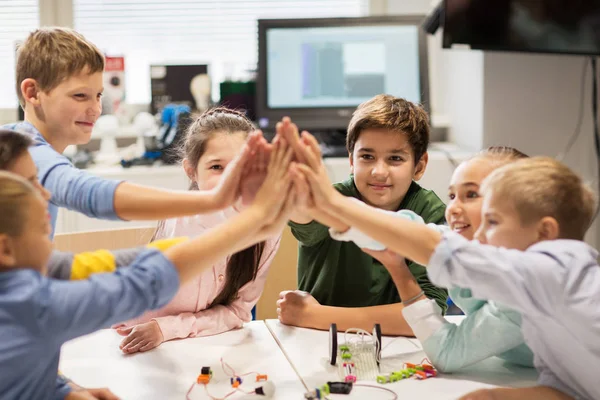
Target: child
(532,258)
(39,314)
(490,329)
(387,147)
(222,298)
(15,158)
(59,85)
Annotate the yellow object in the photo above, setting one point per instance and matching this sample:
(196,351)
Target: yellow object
(93,262)
(164,244)
(101,261)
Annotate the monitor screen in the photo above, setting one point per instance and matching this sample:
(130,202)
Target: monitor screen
(545,26)
(343,66)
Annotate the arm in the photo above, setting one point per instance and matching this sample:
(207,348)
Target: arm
(220,318)
(72,309)
(530,393)
(71,266)
(299,308)
(389,316)
(487,332)
(101,198)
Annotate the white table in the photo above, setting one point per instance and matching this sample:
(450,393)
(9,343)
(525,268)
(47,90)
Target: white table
(168,371)
(308,351)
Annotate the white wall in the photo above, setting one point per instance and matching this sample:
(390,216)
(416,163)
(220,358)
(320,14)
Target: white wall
(531,102)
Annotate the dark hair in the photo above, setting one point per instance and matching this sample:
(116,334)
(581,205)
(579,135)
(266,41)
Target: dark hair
(500,155)
(242,267)
(12,146)
(395,114)
(503,151)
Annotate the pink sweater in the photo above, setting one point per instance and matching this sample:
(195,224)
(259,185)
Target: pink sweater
(188,314)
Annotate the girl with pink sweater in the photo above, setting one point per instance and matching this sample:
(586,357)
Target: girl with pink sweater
(223,296)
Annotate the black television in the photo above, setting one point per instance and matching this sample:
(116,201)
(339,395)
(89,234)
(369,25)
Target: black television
(536,26)
(318,70)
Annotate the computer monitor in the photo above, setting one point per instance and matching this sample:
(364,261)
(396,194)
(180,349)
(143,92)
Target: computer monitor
(532,26)
(318,70)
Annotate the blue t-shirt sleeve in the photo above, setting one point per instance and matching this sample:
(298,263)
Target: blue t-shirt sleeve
(69,309)
(73,188)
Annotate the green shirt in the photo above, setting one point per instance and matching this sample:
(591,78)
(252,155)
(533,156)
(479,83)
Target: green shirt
(341,274)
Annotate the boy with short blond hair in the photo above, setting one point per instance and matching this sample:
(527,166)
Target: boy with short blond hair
(387,147)
(60,85)
(38,58)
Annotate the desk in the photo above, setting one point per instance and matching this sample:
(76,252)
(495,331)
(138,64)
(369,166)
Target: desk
(308,351)
(168,371)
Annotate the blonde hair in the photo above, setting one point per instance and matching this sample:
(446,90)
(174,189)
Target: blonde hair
(394,114)
(52,54)
(14,192)
(542,187)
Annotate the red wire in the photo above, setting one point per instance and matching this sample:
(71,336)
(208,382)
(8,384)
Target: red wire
(225,367)
(218,398)
(187,395)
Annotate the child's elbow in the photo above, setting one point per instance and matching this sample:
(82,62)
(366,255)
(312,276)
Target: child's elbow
(444,364)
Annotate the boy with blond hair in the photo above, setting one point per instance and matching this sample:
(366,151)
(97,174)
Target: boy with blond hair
(339,283)
(60,85)
(530,257)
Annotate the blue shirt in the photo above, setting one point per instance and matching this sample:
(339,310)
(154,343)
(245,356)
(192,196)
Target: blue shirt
(555,285)
(38,314)
(70,187)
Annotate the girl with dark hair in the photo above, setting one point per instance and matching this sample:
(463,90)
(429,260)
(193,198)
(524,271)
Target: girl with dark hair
(221,298)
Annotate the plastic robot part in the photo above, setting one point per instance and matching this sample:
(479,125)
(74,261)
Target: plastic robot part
(318,393)
(359,347)
(349,372)
(333,344)
(377,336)
(205,375)
(261,377)
(236,382)
(340,387)
(267,390)
(419,371)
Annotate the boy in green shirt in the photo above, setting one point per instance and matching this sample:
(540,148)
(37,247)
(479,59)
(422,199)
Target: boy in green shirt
(339,282)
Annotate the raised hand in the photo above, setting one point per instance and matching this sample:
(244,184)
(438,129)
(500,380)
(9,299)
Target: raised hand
(273,193)
(229,188)
(276,227)
(255,171)
(314,172)
(287,130)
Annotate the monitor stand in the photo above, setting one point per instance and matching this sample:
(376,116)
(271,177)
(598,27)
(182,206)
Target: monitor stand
(332,141)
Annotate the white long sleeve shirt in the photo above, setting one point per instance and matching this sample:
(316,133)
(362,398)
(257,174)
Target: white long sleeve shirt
(554,284)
